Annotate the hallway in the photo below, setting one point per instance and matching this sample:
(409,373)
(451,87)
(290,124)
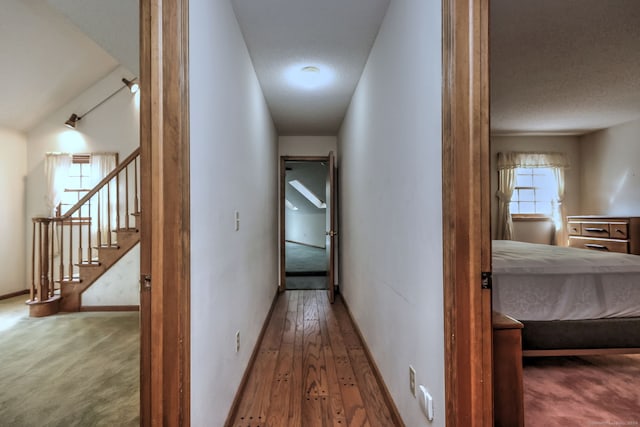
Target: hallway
(311,370)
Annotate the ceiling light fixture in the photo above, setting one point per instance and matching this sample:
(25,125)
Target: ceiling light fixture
(309,76)
(133,86)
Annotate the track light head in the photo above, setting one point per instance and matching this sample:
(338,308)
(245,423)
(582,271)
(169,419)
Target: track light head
(72,121)
(132,84)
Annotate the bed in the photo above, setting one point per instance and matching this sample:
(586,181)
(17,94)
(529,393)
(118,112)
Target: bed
(570,301)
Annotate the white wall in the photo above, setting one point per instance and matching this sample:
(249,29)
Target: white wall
(307,145)
(13,171)
(611,171)
(391,205)
(569,145)
(233,168)
(115,287)
(305,228)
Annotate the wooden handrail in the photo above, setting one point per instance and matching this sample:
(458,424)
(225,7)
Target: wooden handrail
(75,237)
(102,183)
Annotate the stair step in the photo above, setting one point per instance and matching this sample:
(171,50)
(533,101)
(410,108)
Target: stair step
(106,247)
(89,264)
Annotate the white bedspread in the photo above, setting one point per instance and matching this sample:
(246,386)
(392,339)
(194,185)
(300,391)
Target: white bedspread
(543,282)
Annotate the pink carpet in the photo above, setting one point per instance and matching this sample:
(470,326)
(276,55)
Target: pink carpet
(582,391)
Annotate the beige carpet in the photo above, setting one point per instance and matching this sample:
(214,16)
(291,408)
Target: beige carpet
(79,369)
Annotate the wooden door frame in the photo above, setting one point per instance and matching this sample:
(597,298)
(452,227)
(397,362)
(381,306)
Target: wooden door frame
(466,213)
(164,141)
(283,159)
(165,215)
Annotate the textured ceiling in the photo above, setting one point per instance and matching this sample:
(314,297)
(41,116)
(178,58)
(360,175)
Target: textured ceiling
(564,66)
(46,62)
(334,34)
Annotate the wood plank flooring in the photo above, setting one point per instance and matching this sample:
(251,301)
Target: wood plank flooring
(311,370)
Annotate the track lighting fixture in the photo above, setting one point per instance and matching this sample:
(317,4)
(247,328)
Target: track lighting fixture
(75,118)
(132,84)
(71,123)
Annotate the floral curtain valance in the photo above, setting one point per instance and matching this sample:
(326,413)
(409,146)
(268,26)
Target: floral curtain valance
(512,160)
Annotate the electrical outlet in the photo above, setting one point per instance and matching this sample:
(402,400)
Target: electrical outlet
(237,341)
(412,381)
(237,220)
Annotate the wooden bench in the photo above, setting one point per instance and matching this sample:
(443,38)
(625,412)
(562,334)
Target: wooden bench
(508,389)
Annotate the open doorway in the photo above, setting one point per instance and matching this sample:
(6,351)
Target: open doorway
(307,223)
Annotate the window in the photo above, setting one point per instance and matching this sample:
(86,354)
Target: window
(78,183)
(534,192)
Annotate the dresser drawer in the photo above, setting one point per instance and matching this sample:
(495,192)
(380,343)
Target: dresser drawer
(618,230)
(574,228)
(595,229)
(605,245)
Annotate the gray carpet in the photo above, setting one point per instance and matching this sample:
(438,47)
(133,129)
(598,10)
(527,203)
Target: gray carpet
(79,369)
(304,259)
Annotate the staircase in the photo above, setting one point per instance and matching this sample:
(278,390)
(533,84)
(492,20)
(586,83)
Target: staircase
(72,250)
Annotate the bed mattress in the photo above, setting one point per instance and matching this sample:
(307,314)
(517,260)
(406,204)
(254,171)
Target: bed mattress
(543,282)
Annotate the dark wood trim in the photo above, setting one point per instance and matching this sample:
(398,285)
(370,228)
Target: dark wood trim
(14,294)
(395,414)
(282,286)
(305,244)
(233,412)
(165,257)
(283,172)
(580,352)
(466,219)
(146,37)
(530,218)
(110,308)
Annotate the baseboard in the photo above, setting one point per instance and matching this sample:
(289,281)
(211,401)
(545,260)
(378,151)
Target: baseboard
(395,414)
(110,308)
(305,244)
(252,360)
(14,294)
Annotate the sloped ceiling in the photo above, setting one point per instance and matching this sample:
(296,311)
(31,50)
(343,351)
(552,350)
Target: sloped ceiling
(113,24)
(314,176)
(564,66)
(46,62)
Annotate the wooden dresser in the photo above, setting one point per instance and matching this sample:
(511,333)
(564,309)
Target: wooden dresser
(605,233)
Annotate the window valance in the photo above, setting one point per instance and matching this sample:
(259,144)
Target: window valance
(513,159)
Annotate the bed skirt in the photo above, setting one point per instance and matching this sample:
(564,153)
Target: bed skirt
(615,333)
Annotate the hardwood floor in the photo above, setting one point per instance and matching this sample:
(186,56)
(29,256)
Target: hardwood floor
(311,370)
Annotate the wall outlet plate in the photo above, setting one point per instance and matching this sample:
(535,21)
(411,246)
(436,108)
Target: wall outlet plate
(237,341)
(412,381)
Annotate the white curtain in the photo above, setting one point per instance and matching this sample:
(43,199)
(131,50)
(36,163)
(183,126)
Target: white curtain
(56,169)
(558,214)
(507,164)
(105,201)
(506,184)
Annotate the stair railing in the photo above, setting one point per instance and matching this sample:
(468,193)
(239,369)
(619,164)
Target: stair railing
(60,244)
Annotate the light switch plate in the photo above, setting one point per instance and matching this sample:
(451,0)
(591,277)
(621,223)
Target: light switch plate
(412,381)
(426,402)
